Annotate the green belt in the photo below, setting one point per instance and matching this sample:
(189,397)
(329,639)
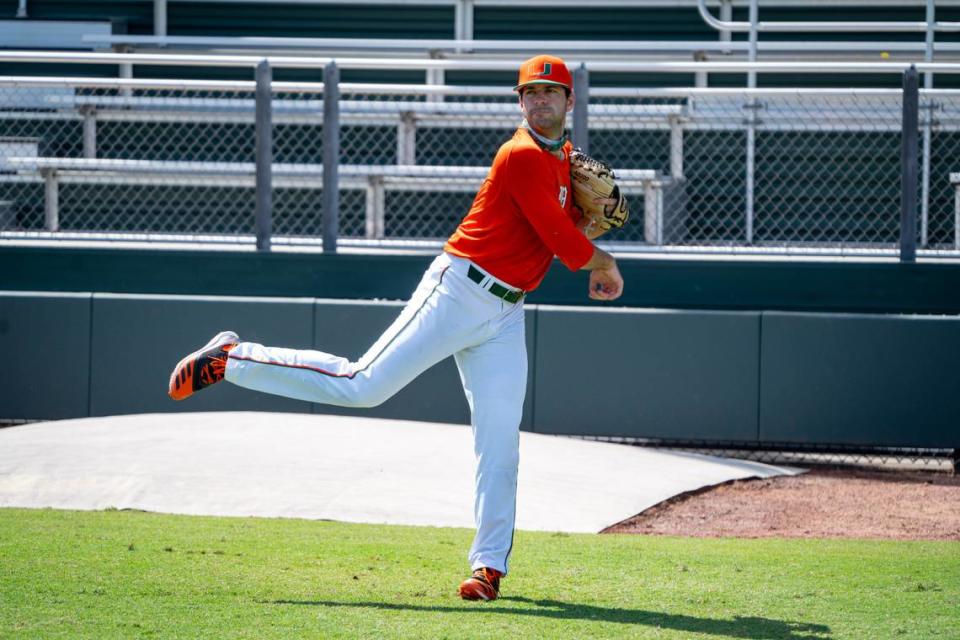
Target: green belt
(510,295)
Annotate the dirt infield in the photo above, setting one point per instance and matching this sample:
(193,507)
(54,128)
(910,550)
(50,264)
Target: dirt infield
(823,503)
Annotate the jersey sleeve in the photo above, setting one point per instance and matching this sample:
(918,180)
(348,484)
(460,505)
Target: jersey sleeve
(530,184)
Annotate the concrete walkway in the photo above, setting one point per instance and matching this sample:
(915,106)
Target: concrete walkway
(336,468)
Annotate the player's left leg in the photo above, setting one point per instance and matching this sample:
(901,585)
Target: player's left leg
(494,375)
(434,324)
(442,316)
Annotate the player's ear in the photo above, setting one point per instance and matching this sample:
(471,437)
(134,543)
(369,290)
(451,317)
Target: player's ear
(570,101)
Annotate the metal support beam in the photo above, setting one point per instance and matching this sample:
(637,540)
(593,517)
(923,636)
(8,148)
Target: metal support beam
(726,15)
(126,69)
(652,213)
(676,148)
(700,78)
(51,201)
(581,92)
(376,207)
(160,18)
(463,21)
(435,77)
(264,156)
(89,131)
(331,156)
(928,43)
(407,138)
(908,166)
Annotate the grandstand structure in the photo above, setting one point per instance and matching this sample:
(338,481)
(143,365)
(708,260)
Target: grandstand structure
(771,127)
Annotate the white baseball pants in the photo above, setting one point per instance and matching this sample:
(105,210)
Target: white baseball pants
(448,314)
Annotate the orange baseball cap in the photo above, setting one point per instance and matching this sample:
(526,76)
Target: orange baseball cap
(544,70)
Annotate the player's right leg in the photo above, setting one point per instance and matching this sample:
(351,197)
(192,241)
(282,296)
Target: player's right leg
(494,375)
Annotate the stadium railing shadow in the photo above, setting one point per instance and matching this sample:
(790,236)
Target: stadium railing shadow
(752,627)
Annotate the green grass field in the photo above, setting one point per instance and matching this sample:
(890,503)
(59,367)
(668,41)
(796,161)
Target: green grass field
(119,574)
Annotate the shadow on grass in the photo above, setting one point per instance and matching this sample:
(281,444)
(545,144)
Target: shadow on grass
(739,627)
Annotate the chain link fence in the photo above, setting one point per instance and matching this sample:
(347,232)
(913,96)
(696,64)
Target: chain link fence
(940,133)
(825,171)
(155,140)
(937,460)
(798,170)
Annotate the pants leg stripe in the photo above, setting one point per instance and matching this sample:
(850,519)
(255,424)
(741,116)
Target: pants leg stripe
(513,531)
(350,376)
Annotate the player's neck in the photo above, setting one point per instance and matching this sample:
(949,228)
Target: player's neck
(550,140)
(552,134)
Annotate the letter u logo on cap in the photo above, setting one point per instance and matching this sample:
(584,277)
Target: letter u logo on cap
(547,68)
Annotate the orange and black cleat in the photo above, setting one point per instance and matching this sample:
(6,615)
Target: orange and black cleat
(203,367)
(484,584)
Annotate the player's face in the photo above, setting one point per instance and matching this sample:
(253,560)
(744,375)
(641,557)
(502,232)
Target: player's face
(545,107)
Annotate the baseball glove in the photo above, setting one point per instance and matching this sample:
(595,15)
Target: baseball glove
(592,179)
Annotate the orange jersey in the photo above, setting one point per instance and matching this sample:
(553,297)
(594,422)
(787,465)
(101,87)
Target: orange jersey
(523,216)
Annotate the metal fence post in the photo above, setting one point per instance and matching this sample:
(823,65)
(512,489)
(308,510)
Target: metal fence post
(331,156)
(581,91)
(908,166)
(264,156)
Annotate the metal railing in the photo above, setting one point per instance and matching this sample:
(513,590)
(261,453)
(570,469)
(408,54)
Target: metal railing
(166,158)
(886,26)
(464,43)
(345,62)
(463,22)
(929,27)
(587,50)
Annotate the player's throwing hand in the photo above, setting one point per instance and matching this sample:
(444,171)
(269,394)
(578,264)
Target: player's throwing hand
(606,284)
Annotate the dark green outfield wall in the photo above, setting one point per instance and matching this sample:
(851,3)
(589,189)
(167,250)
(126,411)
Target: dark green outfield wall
(748,351)
(722,376)
(851,379)
(29,386)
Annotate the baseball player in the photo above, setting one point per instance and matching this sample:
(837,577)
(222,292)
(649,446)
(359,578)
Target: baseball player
(469,304)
